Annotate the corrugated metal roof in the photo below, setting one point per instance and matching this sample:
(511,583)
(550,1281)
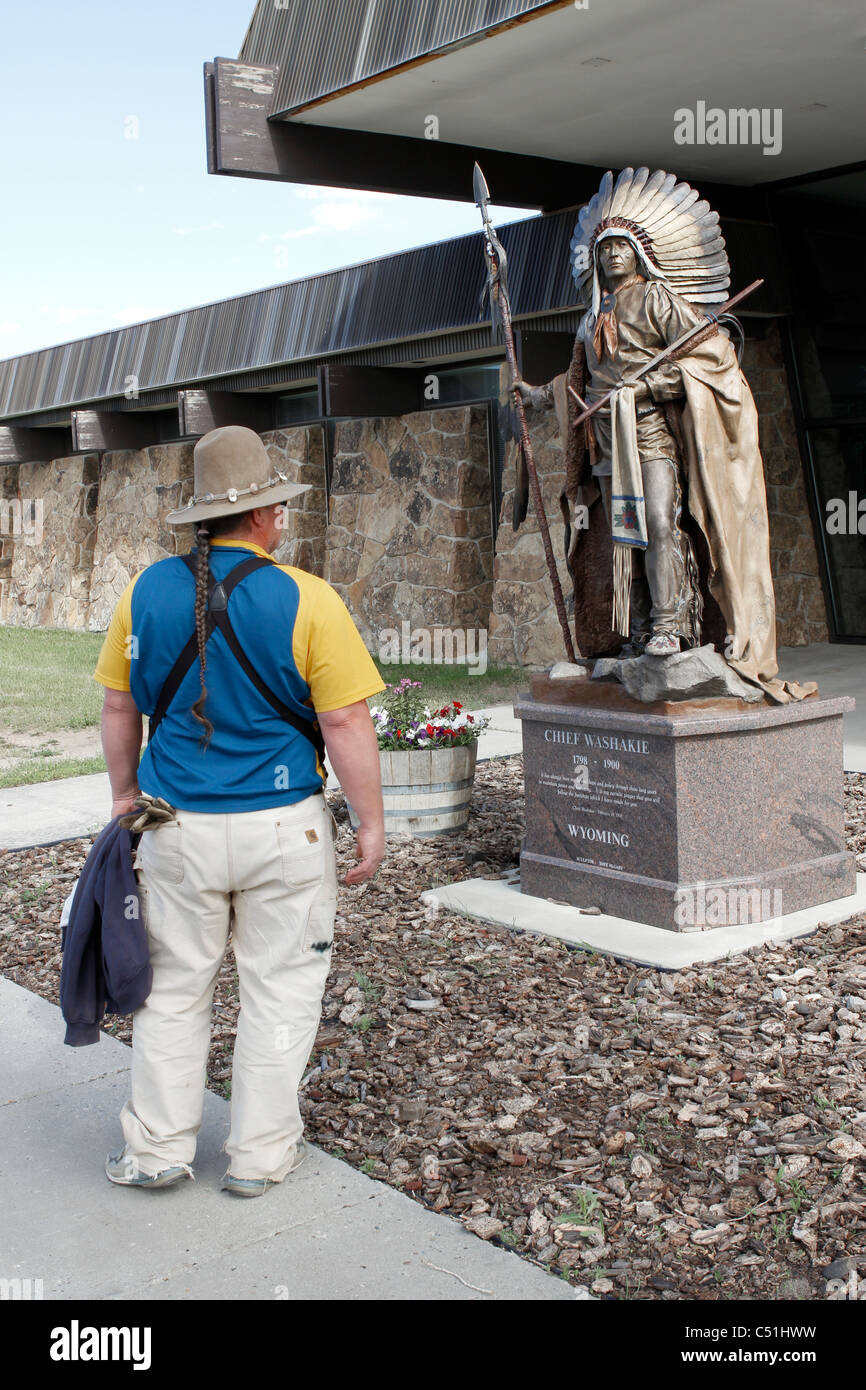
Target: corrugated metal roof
(430,290)
(325,46)
(418,304)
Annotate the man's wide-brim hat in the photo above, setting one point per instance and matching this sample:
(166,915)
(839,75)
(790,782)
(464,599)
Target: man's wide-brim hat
(232,473)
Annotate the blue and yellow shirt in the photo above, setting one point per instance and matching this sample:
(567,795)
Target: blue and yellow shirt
(300,637)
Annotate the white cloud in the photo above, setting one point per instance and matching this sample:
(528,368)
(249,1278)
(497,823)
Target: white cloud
(335,209)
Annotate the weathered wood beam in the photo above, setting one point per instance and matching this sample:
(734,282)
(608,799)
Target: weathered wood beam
(359,392)
(242,141)
(200,411)
(98,431)
(19,444)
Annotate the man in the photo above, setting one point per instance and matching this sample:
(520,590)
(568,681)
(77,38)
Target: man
(673,460)
(242,836)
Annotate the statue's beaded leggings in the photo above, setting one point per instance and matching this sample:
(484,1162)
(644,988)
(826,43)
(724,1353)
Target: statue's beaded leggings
(660,590)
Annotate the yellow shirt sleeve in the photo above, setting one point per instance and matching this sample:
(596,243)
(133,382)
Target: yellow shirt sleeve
(112,668)
(328,649)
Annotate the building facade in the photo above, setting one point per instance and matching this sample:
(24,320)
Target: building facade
(379,384)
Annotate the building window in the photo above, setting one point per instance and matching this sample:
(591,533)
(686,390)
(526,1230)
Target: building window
(459,385)
(296,408)
(824,226)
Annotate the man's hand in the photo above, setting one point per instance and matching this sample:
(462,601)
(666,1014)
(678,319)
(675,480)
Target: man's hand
(354,753)
(370,851)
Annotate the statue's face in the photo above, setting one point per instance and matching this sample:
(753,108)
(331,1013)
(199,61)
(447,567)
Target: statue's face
(616,258)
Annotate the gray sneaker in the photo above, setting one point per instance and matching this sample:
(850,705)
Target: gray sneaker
(122,1169)
(257,1187)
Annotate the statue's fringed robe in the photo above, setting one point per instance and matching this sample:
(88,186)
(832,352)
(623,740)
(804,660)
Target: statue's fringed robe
(716,429)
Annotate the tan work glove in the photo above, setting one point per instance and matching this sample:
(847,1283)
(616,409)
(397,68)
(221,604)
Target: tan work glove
(151,812)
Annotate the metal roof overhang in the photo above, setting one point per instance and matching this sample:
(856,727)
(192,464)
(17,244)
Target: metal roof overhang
(592,87)
(332,45)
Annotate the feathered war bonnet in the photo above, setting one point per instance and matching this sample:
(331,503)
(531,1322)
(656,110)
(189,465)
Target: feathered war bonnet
(675,235)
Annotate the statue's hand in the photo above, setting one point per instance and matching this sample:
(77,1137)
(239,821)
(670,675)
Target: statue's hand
(532,396)
(524,389)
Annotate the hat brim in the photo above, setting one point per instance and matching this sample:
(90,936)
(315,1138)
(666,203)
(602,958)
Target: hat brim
(204,511)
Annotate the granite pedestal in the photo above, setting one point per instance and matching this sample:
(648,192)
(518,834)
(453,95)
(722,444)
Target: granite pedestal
(686,815)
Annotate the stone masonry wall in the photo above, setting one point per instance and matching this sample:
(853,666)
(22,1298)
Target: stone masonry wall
(8,492)
(523,626)
(300,454)
(137,488)
(104,520)
(48,581)
(409,535)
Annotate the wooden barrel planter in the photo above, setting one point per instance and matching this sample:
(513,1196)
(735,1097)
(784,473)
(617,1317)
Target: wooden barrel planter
(426,791)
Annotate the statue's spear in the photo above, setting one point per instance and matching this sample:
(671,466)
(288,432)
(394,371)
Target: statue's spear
(500,313)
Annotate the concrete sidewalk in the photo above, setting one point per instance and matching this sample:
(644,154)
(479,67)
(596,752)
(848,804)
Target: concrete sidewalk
(840,669)
(328,1233)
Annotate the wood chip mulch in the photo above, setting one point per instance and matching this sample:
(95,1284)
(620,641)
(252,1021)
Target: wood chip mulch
(689,1135)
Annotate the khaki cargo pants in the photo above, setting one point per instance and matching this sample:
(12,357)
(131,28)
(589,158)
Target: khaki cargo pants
(270,876)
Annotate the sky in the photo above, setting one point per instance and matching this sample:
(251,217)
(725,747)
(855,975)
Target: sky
(109,215)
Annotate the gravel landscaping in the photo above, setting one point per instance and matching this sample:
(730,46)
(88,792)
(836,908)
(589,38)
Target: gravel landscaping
(649,1135)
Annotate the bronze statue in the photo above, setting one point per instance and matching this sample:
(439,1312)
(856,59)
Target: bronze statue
(664,499)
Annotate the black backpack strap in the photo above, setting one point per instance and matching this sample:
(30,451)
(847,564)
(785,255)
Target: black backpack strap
(297,721)
(217,616)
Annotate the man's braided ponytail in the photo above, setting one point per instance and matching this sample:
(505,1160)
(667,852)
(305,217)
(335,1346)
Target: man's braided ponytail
(203,537)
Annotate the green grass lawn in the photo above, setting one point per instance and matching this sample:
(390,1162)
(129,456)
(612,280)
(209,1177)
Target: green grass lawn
(47,687)
(39,767)
(497,686)
(46,679)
